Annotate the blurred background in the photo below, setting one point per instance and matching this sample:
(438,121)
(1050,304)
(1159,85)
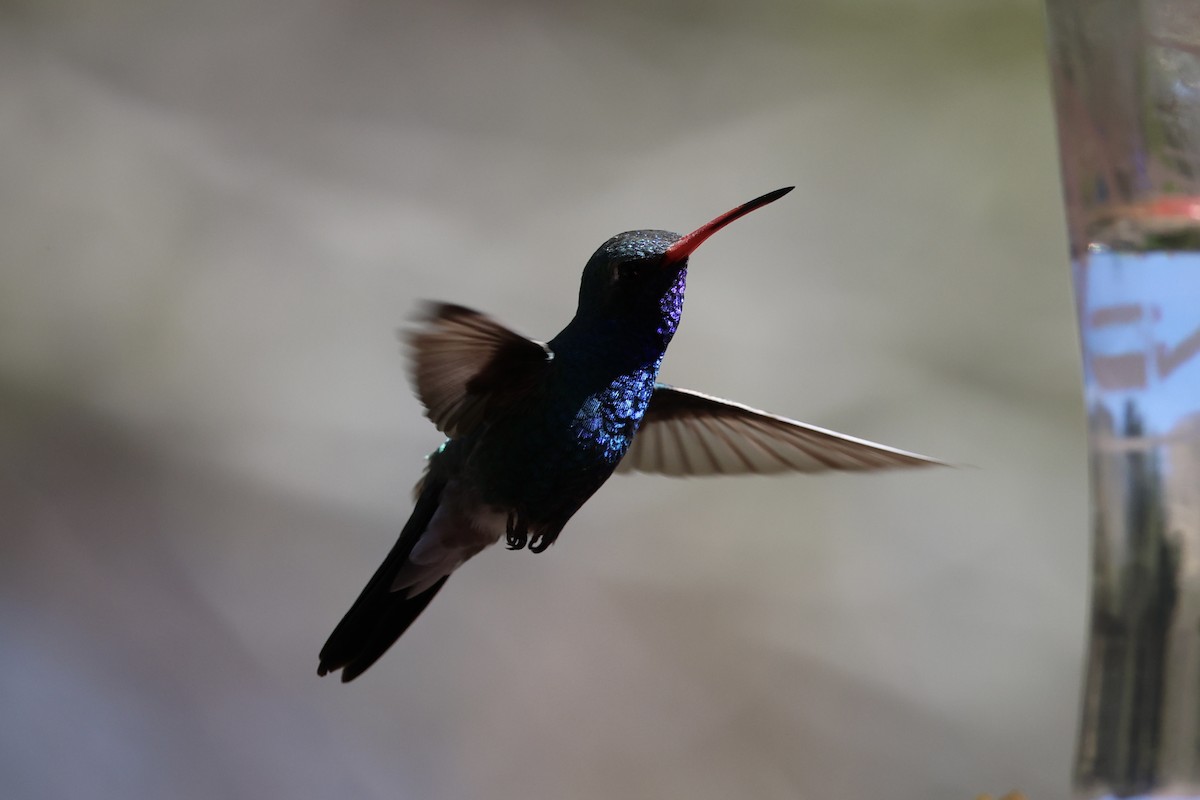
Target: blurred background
(215,216)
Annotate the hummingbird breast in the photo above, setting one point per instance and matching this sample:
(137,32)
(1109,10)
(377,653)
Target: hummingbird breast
(549,459)
(604,424)
(524,474)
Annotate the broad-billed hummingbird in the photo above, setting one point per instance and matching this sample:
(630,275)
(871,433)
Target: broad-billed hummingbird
(533,429)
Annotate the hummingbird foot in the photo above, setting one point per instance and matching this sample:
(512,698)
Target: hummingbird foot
(541,541)
(518,538)
(517,531)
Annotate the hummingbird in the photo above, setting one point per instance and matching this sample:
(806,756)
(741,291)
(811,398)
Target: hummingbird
(534,428)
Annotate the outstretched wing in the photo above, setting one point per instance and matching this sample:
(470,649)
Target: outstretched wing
(689,433)
(467,368)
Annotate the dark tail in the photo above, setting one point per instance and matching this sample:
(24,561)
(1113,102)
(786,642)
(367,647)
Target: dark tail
(379,615)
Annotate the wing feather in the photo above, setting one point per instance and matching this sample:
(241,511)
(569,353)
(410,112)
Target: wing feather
(467,368)
(689,433)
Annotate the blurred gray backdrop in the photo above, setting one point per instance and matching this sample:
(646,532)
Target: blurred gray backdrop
(213,216)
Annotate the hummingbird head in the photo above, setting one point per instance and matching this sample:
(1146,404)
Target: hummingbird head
(636,279)
(627,278)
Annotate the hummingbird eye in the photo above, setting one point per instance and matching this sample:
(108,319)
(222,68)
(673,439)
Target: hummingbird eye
(628,270)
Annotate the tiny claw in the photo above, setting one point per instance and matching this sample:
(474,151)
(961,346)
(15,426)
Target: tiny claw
(517,531)
(542,541)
